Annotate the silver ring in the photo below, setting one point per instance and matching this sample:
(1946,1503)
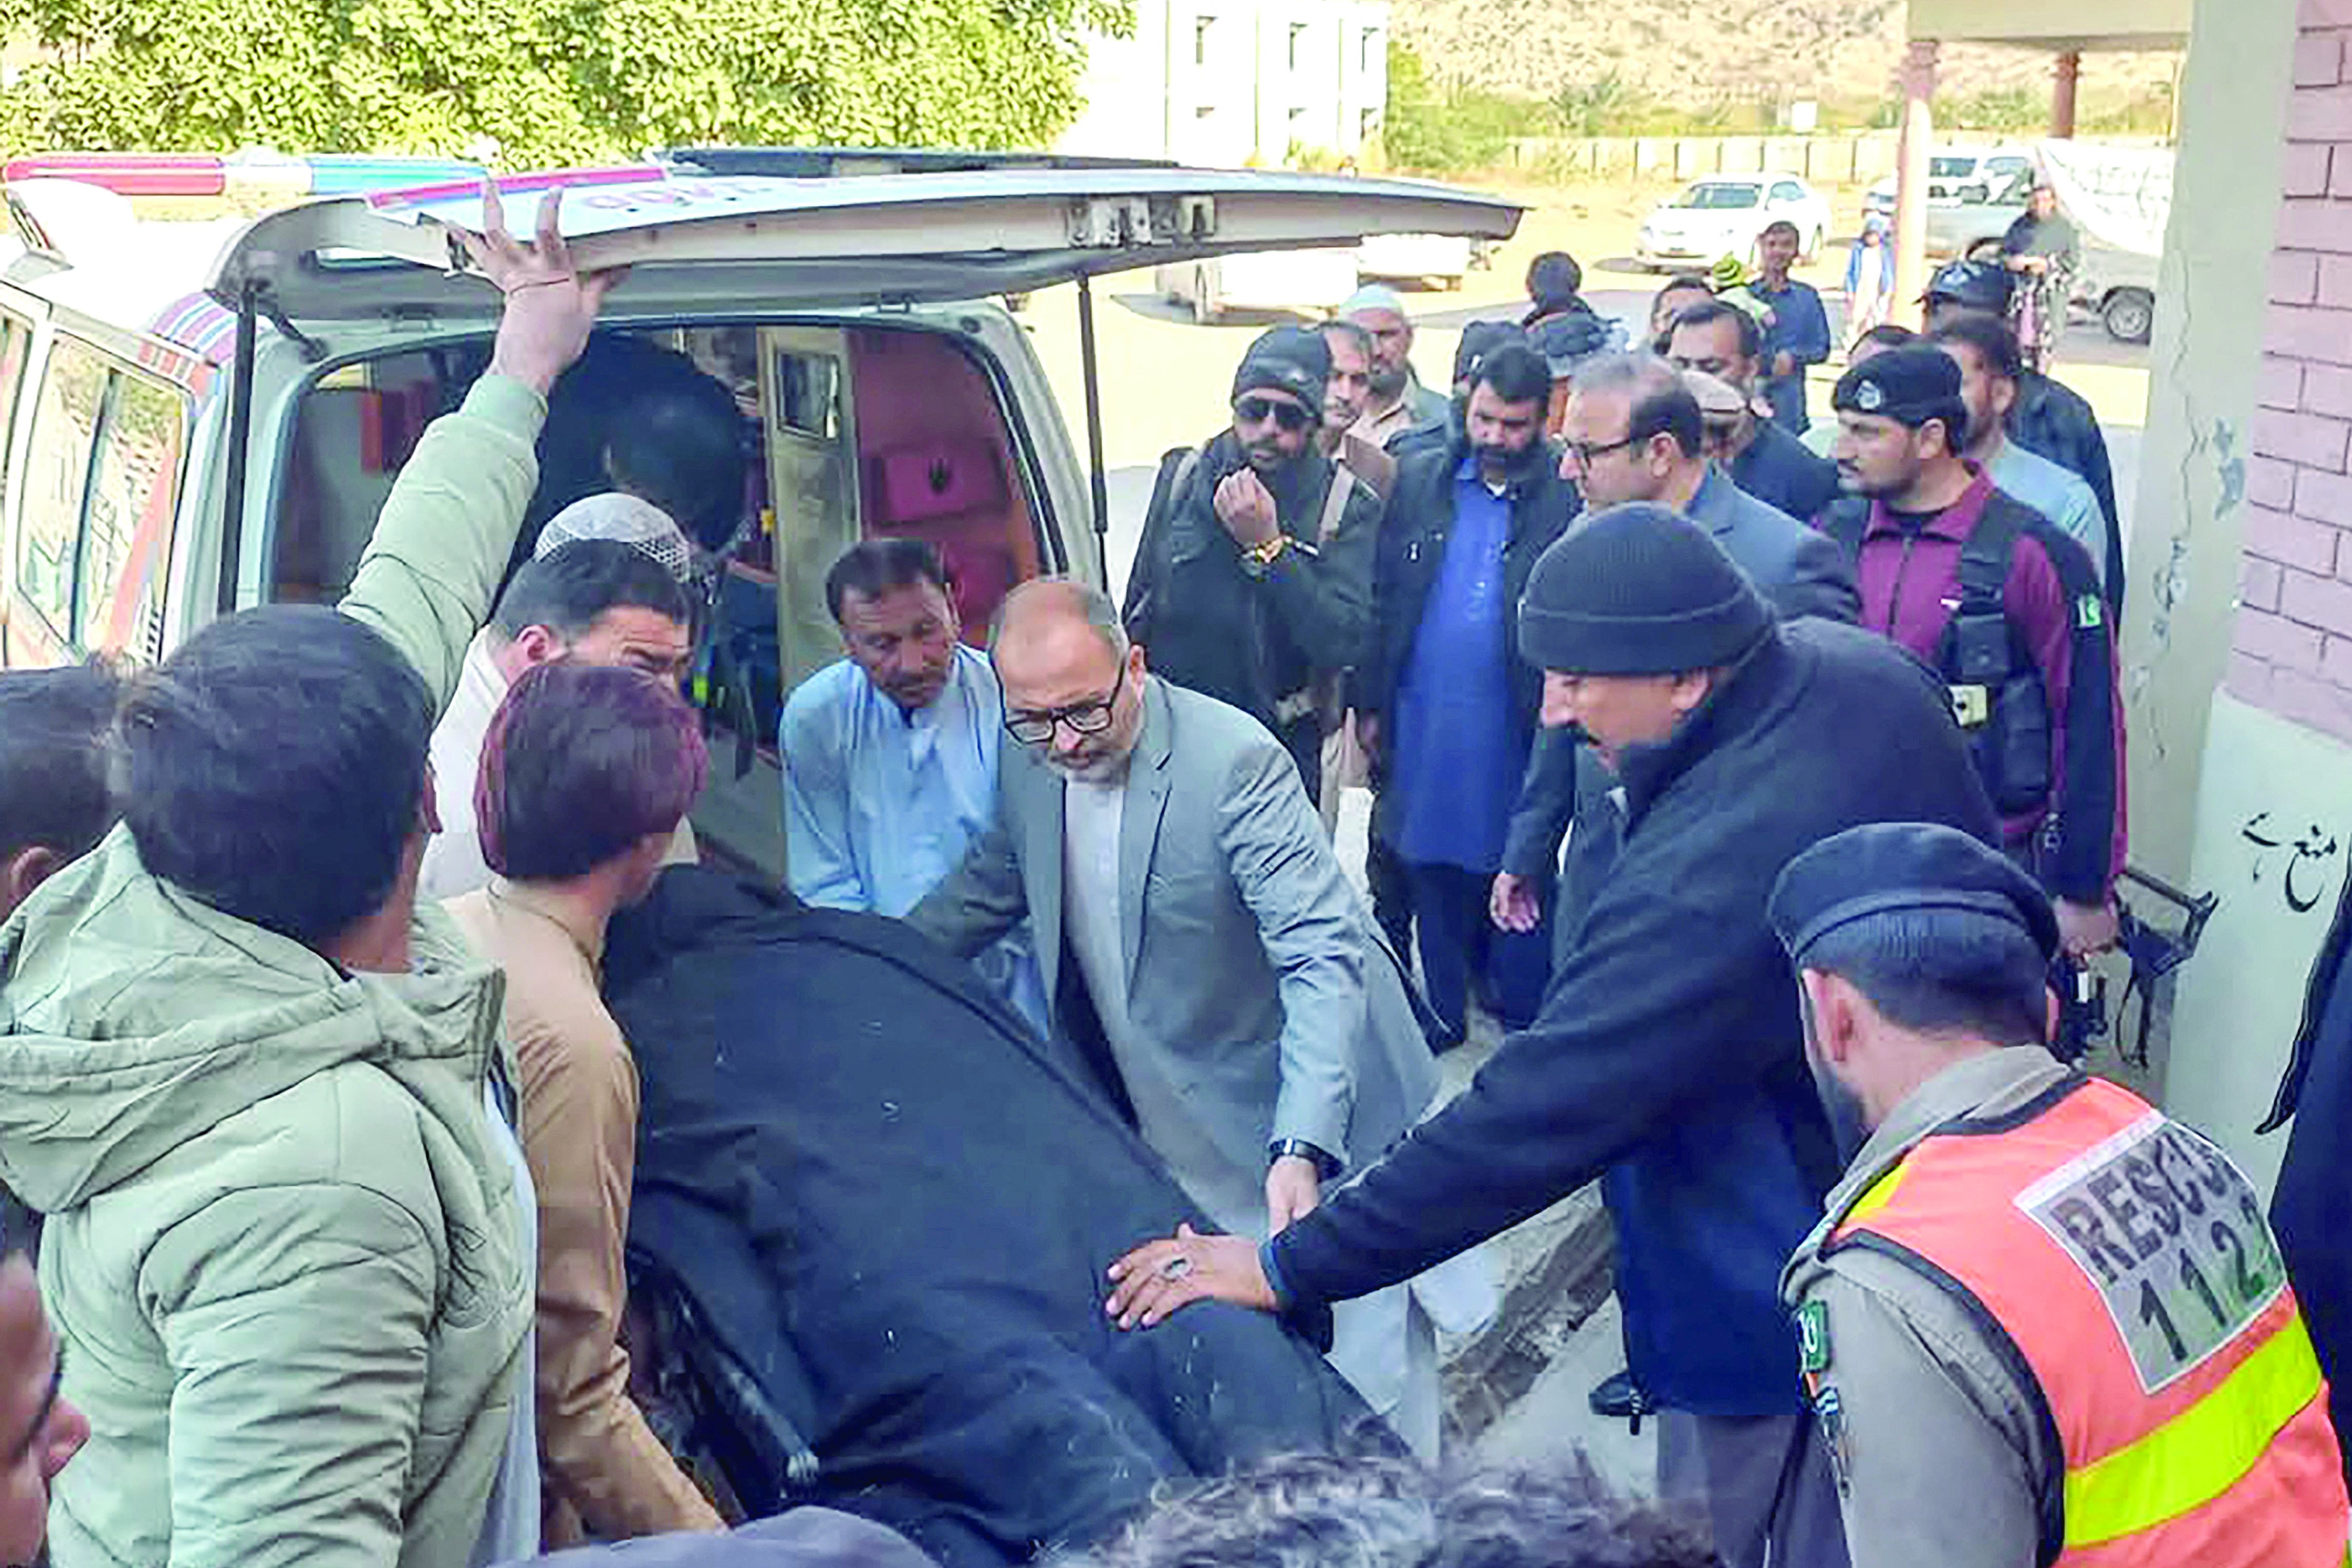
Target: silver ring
(1176,1268)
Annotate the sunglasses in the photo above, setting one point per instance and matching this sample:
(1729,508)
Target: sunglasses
(1258,410)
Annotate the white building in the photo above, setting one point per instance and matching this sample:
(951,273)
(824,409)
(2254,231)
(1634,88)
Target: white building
(1236,82)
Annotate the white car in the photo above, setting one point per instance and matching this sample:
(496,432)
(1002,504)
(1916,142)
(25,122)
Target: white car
(1723,213)
(1444,259)
(1953,170)
(1314,281)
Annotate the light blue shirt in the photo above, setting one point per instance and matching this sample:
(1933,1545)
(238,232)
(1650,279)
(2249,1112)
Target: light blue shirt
(880,803)
(2058,494)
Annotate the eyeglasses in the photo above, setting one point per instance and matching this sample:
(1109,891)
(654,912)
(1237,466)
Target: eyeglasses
(1258,410)
(1083,718)
(1585,451)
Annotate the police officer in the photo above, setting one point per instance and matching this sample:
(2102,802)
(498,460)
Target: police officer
(2006,606)
(2049,418)
(2042,1322)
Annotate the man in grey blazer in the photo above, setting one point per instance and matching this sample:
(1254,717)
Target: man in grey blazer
(1632,431)
(1194,927)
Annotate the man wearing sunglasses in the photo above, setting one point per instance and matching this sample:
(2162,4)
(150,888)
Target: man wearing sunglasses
(1253,583)
(1202,949)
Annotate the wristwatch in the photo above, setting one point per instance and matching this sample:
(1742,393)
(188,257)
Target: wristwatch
(1258,557)
(1326,1167)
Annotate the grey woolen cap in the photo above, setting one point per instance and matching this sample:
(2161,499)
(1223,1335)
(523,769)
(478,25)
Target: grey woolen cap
(1639,589)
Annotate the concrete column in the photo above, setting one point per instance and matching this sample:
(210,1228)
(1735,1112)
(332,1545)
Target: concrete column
(1918,79)
(2065,77)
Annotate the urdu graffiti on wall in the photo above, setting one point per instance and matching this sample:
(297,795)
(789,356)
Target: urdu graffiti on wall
(2309,860)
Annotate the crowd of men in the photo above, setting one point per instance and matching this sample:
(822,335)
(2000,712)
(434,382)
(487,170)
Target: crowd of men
(1762,796)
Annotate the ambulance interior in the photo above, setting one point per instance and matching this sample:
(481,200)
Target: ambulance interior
(849,430)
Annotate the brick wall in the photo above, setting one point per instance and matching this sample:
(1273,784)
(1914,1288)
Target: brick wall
(2291,649)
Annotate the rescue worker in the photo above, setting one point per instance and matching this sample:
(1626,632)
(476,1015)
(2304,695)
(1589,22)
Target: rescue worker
(1669,1046)
(2041,1321)
(2006,606)
(1253,581)
(2049,418)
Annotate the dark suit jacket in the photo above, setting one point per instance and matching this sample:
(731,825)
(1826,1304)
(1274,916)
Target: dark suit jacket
(1800,572)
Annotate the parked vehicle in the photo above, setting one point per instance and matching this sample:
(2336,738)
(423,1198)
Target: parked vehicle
(1444,260)
(1954,171)
(1313,282)
(151,480)
(1722,215)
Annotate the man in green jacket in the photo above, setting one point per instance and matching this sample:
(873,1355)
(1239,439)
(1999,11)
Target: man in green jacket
(247,1080)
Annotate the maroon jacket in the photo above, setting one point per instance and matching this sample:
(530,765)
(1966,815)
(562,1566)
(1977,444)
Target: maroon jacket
(1910,584)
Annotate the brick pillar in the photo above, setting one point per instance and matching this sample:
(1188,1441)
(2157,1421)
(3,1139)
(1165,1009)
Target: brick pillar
(2065,77)
(2291,647)
(1918,79)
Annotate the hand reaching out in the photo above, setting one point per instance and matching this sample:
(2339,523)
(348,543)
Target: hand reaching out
(549,306)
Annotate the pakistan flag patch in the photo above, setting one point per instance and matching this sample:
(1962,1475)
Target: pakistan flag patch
(2089,611)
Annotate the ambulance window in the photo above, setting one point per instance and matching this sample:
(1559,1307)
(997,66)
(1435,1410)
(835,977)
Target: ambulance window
(65,429)
(126,541)
(16,338)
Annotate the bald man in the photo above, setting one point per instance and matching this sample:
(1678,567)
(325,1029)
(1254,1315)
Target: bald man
(1151,836)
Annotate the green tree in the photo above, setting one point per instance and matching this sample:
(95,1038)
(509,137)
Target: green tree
(549,80)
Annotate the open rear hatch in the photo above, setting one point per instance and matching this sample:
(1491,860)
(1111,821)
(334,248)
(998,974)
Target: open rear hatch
(789,228)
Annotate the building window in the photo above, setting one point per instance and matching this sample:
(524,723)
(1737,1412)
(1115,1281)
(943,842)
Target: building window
(1202,26)
(1368,52)
(1367,125)
(1297,45)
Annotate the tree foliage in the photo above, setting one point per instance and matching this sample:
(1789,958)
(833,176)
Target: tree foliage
(548,81)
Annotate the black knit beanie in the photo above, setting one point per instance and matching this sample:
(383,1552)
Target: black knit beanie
(1639,589)
(1286,359)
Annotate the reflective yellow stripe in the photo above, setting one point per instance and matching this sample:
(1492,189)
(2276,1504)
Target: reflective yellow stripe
(2200,1453)
(1877,1196)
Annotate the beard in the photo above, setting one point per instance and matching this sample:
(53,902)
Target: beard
(1849,1123)
(1505,463)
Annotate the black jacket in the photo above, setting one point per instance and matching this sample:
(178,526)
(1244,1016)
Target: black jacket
(1671,1046)
(1778,471)
(1413,553)
(2052,420)
(888,1206)
(2307,1207)
(1250,639)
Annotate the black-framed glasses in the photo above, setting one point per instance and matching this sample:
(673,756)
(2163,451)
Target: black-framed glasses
(1083,718)
(1585,451)
(1258,410)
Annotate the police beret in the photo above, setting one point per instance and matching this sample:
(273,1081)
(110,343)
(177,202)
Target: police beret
(1904,868)
(1911,385)
(1480,339)
(1977,285)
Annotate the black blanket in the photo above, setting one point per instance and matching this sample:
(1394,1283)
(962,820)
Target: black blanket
(891,1207)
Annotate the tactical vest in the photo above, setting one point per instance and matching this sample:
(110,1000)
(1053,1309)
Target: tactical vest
(1996,689)
(2121,1266)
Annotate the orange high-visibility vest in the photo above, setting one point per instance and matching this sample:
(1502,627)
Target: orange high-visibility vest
(2123,1266)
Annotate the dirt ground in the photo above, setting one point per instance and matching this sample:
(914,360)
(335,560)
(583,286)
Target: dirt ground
(1165,380)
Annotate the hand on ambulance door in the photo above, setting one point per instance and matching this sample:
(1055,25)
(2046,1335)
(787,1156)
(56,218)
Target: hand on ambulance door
(551,307)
